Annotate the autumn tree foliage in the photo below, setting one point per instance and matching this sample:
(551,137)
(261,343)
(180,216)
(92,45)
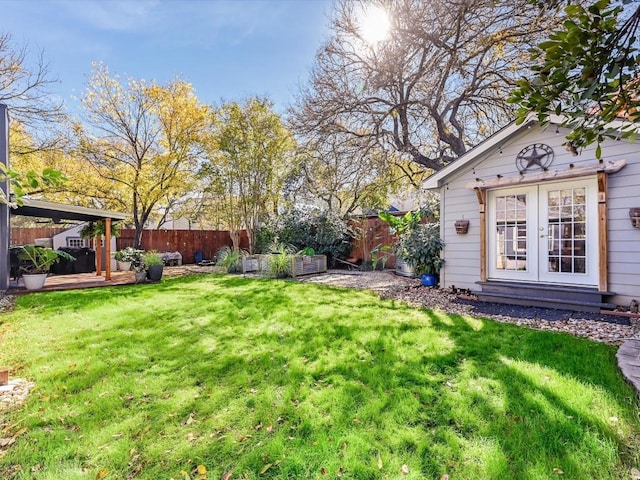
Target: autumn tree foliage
(139,143)
(435,86)
(249,156)
(25,83)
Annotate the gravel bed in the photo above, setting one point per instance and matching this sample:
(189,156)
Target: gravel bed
(595,326)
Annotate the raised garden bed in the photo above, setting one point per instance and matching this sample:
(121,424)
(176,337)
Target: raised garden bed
(308,264)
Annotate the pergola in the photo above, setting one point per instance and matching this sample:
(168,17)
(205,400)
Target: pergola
(39,208)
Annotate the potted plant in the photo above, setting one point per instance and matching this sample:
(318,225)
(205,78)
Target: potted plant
(420,248)
(402,227)
(153,264)
(124,258)
(138,266)
(36,263)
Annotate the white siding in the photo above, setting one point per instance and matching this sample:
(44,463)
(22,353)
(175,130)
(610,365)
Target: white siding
(462,252)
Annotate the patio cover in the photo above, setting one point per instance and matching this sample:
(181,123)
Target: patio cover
(39,208)
(57,212)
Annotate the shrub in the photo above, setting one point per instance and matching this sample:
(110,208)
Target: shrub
(323,231)
(229,258)
(280,261)
(421,247)
(151,258)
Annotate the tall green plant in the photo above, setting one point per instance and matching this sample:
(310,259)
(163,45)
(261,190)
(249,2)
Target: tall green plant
(229,258)
(280,261)
(404,224)
(40,259)
(421,248)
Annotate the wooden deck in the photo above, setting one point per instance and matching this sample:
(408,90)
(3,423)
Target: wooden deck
(91,280)
(75,281)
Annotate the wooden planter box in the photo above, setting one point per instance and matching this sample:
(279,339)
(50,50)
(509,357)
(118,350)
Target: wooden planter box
(250,263)
(308,264)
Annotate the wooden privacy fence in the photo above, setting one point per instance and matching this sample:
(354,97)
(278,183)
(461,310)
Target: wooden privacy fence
(26,236)
(187,242)
(370,232)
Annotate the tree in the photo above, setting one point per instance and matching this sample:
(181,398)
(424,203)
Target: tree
(437,85)
(24,183)
(346,174)
(250,155)
(25,89)
(28,174)
(142,141)
(588,72)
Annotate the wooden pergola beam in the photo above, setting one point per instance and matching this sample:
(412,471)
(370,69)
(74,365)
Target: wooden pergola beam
(603,233)
(107,247)
(549,175)
(482,205)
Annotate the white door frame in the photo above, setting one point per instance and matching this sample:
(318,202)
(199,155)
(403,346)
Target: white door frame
(533,264)
(510,245)
(590,276)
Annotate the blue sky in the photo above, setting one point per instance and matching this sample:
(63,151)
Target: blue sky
(228,49)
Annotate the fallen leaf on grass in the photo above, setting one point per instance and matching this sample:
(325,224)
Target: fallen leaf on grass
(404,470)
(189,420)
(323,471)
(444,477)
(266,468)
(201,470)
(5,442)
(558,471)
(379,462)
(102,473)
(227,475)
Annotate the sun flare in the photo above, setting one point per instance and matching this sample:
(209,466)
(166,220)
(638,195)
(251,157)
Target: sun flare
(374,25)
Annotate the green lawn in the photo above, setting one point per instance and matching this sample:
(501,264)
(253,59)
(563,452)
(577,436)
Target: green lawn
(249,378)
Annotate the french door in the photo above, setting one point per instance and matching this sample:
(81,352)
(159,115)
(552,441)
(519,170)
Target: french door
(544,233)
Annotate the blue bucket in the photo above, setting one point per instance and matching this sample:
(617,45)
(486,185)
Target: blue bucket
(429,279)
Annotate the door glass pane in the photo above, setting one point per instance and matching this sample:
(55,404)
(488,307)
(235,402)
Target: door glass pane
(511,232)
(567,230)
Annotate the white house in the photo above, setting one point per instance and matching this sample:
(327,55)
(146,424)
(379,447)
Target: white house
(546,227)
